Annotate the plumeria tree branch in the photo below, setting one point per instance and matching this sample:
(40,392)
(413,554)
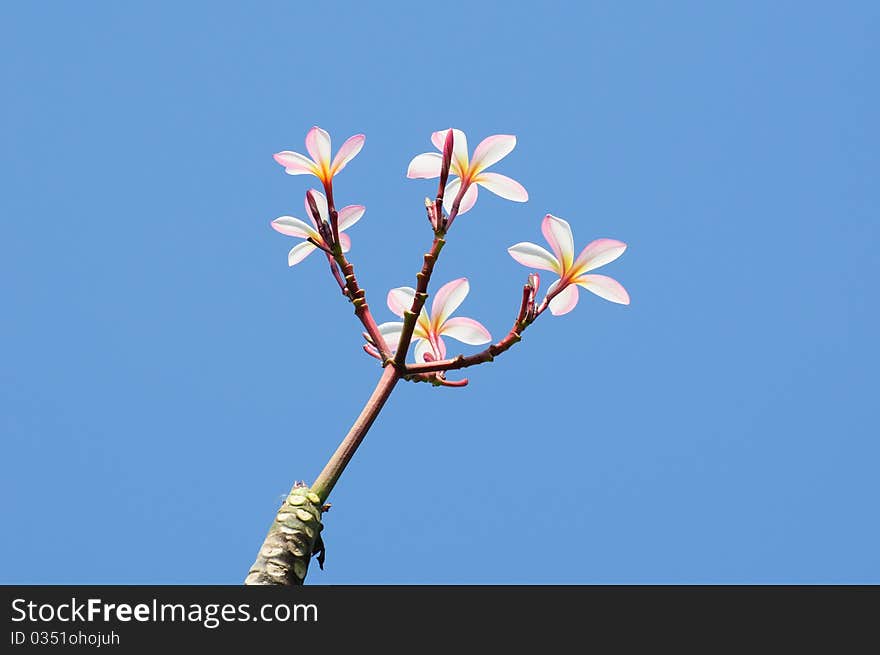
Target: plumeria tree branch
(295,535)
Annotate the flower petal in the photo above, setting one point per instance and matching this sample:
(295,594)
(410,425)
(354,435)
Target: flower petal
(447,300)
(466,330)
(299,252)
(596,254)
(491,150)
(318,145)
(459,164)
(345,242)
(469,199)
(350,215)
(320,203)
(347,152)
(422,346)
(557,231)
(294,227)
(564,301)
(401,299)
(425,166)
(503,186)
(604,287)
(439,347)
(391,333)
(295,163)
(534,256)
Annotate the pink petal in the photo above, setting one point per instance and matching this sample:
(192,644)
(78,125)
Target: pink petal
(294,227)
(350,215)
(466,330)
(440,347)
(596,254)
(401,299)
(491,150)
(447,300)
(318,145)
(459,149)
(534,256)
(299,252)
(604,287)
(503,186)
(321,203)
(425,166)
(347,152)
(345,242)
(558,234)
(295,163)
(564,301)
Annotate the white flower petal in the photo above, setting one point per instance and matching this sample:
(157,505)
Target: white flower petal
(466,330)
(294,227)
(491,150)
(318,145)
(604,287)
(447,300)
(534,256)
(503,186)
(425,166)
(557,231)
(401,299)
(564,301)
(299,252)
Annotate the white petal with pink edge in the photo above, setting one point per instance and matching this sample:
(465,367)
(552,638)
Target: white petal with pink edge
(400,299)
(350,215)
(423,346)
(391,333)
(503,186)
(564,301)
(320,203)
(596,254)
(466,330)
(295,163)
(468,200)
(604,287)
(299,252)
(534,256)
(491,150)
(557,231)
(447,300)
(425,166)
(459,162)
(344,242)
(294,227)
(347,152)
(318,145)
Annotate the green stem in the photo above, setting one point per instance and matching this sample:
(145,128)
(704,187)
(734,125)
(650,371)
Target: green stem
(328,478)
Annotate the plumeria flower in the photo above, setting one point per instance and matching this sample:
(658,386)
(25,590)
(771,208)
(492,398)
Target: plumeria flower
(295,227)
(470,173)
(572,271)
(320,165)
(430,329)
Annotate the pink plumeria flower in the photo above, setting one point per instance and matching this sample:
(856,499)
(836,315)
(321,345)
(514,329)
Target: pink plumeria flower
(572,271)
(430,329)
(320,165)
(295,227)
(470,173)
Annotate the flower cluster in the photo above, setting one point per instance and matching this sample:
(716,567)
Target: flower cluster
(325,229)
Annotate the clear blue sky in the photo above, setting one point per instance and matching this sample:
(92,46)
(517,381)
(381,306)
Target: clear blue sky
(166,377)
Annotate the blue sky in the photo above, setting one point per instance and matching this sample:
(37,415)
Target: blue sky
(166,377)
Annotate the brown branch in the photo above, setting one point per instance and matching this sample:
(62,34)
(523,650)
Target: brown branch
(524,318)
